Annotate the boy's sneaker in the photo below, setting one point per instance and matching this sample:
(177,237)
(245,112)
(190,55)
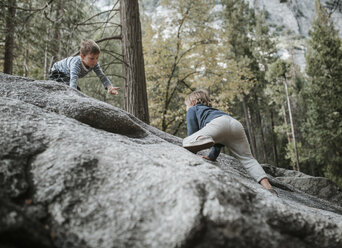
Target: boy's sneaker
(201,143)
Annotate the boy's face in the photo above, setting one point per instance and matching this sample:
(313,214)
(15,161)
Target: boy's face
(90,59)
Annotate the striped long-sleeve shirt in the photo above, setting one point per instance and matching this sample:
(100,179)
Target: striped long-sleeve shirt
(74,68)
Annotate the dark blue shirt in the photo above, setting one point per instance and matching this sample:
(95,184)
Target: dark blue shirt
(197,117)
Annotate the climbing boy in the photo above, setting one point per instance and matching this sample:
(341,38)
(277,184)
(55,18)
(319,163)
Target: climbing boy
(70,69)
(210,127)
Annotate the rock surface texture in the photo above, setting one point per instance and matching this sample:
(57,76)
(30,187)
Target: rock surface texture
(77,172)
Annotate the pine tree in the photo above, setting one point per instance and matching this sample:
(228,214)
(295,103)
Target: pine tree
(280,72)
(251,47)
(239,21)
(264,51)
(323,125)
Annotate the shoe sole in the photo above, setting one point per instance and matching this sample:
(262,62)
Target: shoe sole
(199,147)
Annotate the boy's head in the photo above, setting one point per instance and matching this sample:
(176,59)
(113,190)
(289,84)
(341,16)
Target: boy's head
(90,52)
(89,46)
(197,97)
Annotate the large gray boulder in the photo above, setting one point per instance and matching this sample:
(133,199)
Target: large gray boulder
(318,186)
(77,172)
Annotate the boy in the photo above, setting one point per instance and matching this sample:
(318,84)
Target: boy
(209,127)
(70,69)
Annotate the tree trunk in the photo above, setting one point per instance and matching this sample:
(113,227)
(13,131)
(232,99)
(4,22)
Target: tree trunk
(274,141)
(287,133)
(57,36)
(248,124)
(46,69)
(252,128)
(286,124)
(258,116)
(26,61)
(9,40)
(133,67)
(292,126)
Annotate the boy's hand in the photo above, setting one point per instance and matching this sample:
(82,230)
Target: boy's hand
(113,90)
(205,157)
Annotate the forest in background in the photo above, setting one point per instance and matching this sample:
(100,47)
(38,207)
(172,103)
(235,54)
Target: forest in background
(293,119)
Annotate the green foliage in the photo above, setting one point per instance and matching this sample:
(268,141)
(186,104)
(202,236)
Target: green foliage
(323,126)
(279,71)
(189,50)
(180,55)
(280,74)
(291,156)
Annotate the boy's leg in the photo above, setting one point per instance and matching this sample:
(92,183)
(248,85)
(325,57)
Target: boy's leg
(51,75)
(204,138)
(59,76)
(239,146)
(201,143)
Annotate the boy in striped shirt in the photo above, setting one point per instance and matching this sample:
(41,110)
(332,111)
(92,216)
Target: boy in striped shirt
(70,69)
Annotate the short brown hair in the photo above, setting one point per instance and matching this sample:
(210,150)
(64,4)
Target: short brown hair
(89,46)
(199,96)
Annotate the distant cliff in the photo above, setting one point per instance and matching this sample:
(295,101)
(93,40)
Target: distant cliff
(292,20)
(294,15)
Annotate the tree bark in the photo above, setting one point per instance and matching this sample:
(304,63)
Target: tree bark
(248,124)
(57,36)
(26,61)
(274,141)
(133,67)
(253,137)
(292,126)
(262,136)
(286,124)
(9,40)
(46,68)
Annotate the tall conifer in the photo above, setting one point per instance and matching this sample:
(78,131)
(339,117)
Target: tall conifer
(323,126)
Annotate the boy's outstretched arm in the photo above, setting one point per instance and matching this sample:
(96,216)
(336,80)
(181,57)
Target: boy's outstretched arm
(105,81)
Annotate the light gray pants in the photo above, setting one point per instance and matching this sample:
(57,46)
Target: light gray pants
(227,131)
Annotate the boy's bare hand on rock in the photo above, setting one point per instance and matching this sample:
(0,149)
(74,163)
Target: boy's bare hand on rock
(205,157)
(114,90)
